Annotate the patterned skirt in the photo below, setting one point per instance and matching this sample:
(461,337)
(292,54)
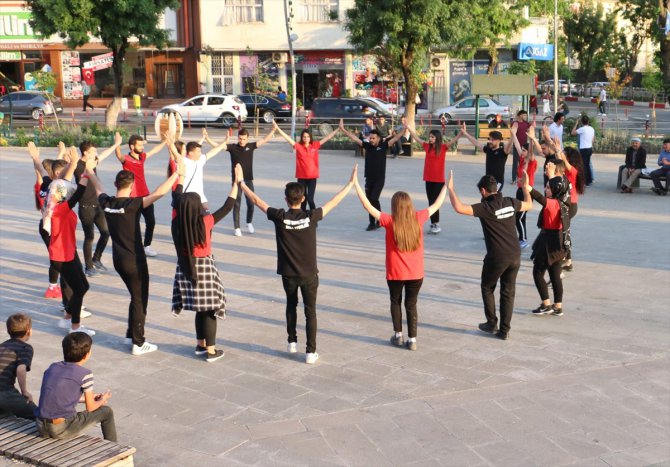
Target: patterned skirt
(208,295)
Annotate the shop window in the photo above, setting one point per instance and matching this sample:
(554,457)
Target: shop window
(319,11)
(242,11)
(222,74)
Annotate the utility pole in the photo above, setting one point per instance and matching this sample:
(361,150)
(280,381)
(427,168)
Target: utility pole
(557,89)
(288,12)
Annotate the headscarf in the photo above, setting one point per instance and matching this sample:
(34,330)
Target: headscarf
(189,231)
(59,191)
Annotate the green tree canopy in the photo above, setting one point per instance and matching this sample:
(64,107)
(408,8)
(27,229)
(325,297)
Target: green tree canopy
(405,31)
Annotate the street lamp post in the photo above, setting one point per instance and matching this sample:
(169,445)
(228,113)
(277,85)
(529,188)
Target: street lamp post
(291,38)
(556,85)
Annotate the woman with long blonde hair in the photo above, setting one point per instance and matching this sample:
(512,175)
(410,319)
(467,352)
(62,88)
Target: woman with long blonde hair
(404,257)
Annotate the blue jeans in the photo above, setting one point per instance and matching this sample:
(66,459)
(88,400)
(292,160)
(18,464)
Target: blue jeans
(71,427)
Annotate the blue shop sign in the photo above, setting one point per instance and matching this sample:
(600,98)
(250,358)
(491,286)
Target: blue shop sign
(536,51)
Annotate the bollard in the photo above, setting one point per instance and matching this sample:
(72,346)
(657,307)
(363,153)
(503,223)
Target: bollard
(421,120)
(41,122)
(188,120)
(626,113)
(145,132)
(239,123)
(647,127)
(308,118)
(72,115)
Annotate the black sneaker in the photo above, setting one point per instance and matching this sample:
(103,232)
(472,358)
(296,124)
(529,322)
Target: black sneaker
(657,191)
(556,311)
(371,227)
(502,335)
(397,341)
(91,272)
(200,350)
(487,327)
(542,310)
(212,357)
(97,264)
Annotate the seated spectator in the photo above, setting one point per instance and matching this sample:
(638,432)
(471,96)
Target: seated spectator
(383,127)
(663,171)
(636,158)
(498,122)
(16,356)
(368,126)
(405,138)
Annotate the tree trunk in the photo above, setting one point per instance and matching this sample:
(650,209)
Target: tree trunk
(114,108)
(112,113)
(665,64)
(493,60)
(410,97)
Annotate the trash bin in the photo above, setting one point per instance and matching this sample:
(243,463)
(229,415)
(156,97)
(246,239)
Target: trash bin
(137,102)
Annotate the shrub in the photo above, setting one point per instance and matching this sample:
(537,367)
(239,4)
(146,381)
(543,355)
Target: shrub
(70,135)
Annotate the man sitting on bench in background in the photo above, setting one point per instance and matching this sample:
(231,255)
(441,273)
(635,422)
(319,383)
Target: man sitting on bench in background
(405,137)
(636,158)
(663,171)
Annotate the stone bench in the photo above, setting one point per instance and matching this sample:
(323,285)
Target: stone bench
(20,440)
(636,184)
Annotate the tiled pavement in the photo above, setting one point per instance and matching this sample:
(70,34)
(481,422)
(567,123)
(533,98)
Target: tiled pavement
(589,388)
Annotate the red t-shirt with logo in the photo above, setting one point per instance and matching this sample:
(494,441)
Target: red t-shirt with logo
(63,239)
(572,178)
(136,166)
(307,160)
(433,165)
(403,265)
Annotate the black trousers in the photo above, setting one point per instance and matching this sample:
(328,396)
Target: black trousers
(310,190)
(150,224)
(373,190)
(46,238)
(572,212)
(656,177)
(432,192)
(135,274)
(506,271)
(540,266)
(205,326)
(74,286)
(586,159)
(92,216)
(515,164)
(412,288)
(521,218)
(86,104)
(308,286)
(238,205)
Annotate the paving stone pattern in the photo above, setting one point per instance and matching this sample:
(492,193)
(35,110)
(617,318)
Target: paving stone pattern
(589,388)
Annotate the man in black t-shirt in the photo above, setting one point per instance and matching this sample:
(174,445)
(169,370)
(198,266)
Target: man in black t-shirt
(375,166)
(90,214)
(496,154)
(295,230)
(123,217)
(497,215)
(242,153)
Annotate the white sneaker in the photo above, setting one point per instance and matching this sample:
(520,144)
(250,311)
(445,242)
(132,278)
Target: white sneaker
(84,329)
(292,347)
(311,358)
(146,348)
(250,228)
(150,251)
(64,323)
(84,313)
(83,309)
(238,232)
(436,229)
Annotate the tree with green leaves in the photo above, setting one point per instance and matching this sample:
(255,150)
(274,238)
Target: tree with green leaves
(406,31)
(114,22)
(590,31)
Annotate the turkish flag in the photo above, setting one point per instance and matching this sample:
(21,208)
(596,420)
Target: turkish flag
(89,75)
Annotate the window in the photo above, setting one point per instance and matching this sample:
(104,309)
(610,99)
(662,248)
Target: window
(215,100)
(242,11)
(196,101)
(222,74)
(466,103)
(319,11)
(483,103)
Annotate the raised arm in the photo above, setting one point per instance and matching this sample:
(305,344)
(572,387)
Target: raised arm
(533,140)
(288,139)
(74,158)
(156,149)
(455,139)
(335,200)
(373,211)
(433,208)
(107,152)
(514,139)
(508,146)
(459,207)
(573,132)
(35,156)
(527,203)
(61,150)
(477,144)
(93,178)
(210,141)
(215,150)
(119,156)
(350,135)
(166,186)
(413,133)
(267,138)
(230,200)
(329,136)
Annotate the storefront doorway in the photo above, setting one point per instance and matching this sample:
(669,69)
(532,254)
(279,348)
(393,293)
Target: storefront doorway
(310,88)
(169,81)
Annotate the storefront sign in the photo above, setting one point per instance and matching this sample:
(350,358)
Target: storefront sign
(327,58)
(16,26)
(535,51)
(9,56)
(100,62)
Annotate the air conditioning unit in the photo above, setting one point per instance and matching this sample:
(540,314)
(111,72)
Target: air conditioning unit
(435,63)
(279,57)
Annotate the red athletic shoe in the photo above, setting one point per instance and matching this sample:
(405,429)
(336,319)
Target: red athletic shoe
(53,292)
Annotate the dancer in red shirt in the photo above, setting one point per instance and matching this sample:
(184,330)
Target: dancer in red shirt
(433,169)
(528,164)
(404,256)
(134,162)
(306,161)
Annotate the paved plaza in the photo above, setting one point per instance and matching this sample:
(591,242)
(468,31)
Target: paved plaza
(590,388)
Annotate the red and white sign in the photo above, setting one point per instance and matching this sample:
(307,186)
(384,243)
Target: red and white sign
(100,62)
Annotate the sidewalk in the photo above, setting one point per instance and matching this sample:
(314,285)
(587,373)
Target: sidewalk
(589,388)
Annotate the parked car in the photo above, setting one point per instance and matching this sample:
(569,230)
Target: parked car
(225,109)
(593,89)
(387,106)
(30,104)
(269,107)
(327,112)
(465,110)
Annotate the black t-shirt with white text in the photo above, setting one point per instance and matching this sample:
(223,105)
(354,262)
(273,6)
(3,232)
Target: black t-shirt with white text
(243,155)
(375,159)
(88,198)
(123,219)
(295,230)
(497,215)
(495,162)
